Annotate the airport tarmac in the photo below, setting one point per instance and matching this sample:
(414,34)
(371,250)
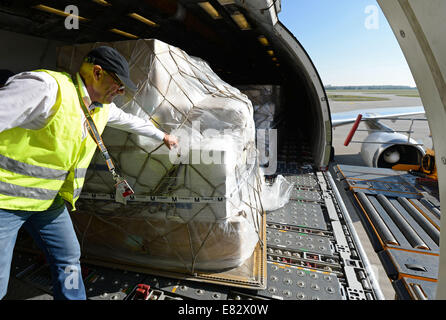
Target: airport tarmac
(351,155)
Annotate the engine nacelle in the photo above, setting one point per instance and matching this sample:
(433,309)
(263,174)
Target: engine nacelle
(386,149)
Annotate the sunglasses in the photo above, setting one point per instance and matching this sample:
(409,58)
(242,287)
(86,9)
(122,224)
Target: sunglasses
(115,79)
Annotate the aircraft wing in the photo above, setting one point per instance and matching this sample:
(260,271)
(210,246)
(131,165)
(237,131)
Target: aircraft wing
(342,118)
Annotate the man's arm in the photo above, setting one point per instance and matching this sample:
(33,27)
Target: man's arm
(119,119)
(26,101)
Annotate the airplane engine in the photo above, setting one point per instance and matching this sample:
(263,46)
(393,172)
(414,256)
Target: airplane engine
(386,149)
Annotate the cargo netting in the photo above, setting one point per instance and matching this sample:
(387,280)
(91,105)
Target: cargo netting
(197,207)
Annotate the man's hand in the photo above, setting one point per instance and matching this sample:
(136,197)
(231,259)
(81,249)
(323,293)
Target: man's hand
(170,141)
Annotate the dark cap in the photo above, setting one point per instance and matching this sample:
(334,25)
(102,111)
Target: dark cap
(111,60)
(4,76)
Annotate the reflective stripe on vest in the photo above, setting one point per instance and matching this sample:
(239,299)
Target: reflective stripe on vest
(77,193)
(80,173)
(31,170)
(27,192)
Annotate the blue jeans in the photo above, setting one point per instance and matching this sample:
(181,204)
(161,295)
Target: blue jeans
(53,232)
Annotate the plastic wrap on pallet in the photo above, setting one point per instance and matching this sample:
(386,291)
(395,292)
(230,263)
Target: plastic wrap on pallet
(276,195)
(214,122)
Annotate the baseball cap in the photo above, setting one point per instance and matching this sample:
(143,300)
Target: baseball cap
(111,60)
(4,76)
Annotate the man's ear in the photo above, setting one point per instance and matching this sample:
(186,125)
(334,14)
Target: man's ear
(97,72)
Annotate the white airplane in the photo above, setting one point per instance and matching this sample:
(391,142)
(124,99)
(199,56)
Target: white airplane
(383,147)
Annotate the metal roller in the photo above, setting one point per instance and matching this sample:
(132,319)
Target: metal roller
(434,210)
(426,212)
(418,292)
(421,220)
(410,234)
(386,236)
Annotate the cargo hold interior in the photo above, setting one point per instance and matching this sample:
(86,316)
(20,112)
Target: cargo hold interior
(246,49)
(241,49)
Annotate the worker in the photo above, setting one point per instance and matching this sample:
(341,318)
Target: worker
(45,149)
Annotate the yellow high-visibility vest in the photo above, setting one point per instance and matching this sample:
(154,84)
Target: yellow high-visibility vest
(37,165)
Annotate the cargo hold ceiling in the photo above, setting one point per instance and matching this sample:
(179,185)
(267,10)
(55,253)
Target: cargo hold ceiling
(216,30)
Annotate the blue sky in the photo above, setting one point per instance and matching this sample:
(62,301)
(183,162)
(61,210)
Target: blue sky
(348,45)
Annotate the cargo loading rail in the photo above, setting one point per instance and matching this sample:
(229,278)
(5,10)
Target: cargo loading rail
(312,252)
(401,216)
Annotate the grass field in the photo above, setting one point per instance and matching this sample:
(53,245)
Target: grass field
(401,93)
(343,97)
